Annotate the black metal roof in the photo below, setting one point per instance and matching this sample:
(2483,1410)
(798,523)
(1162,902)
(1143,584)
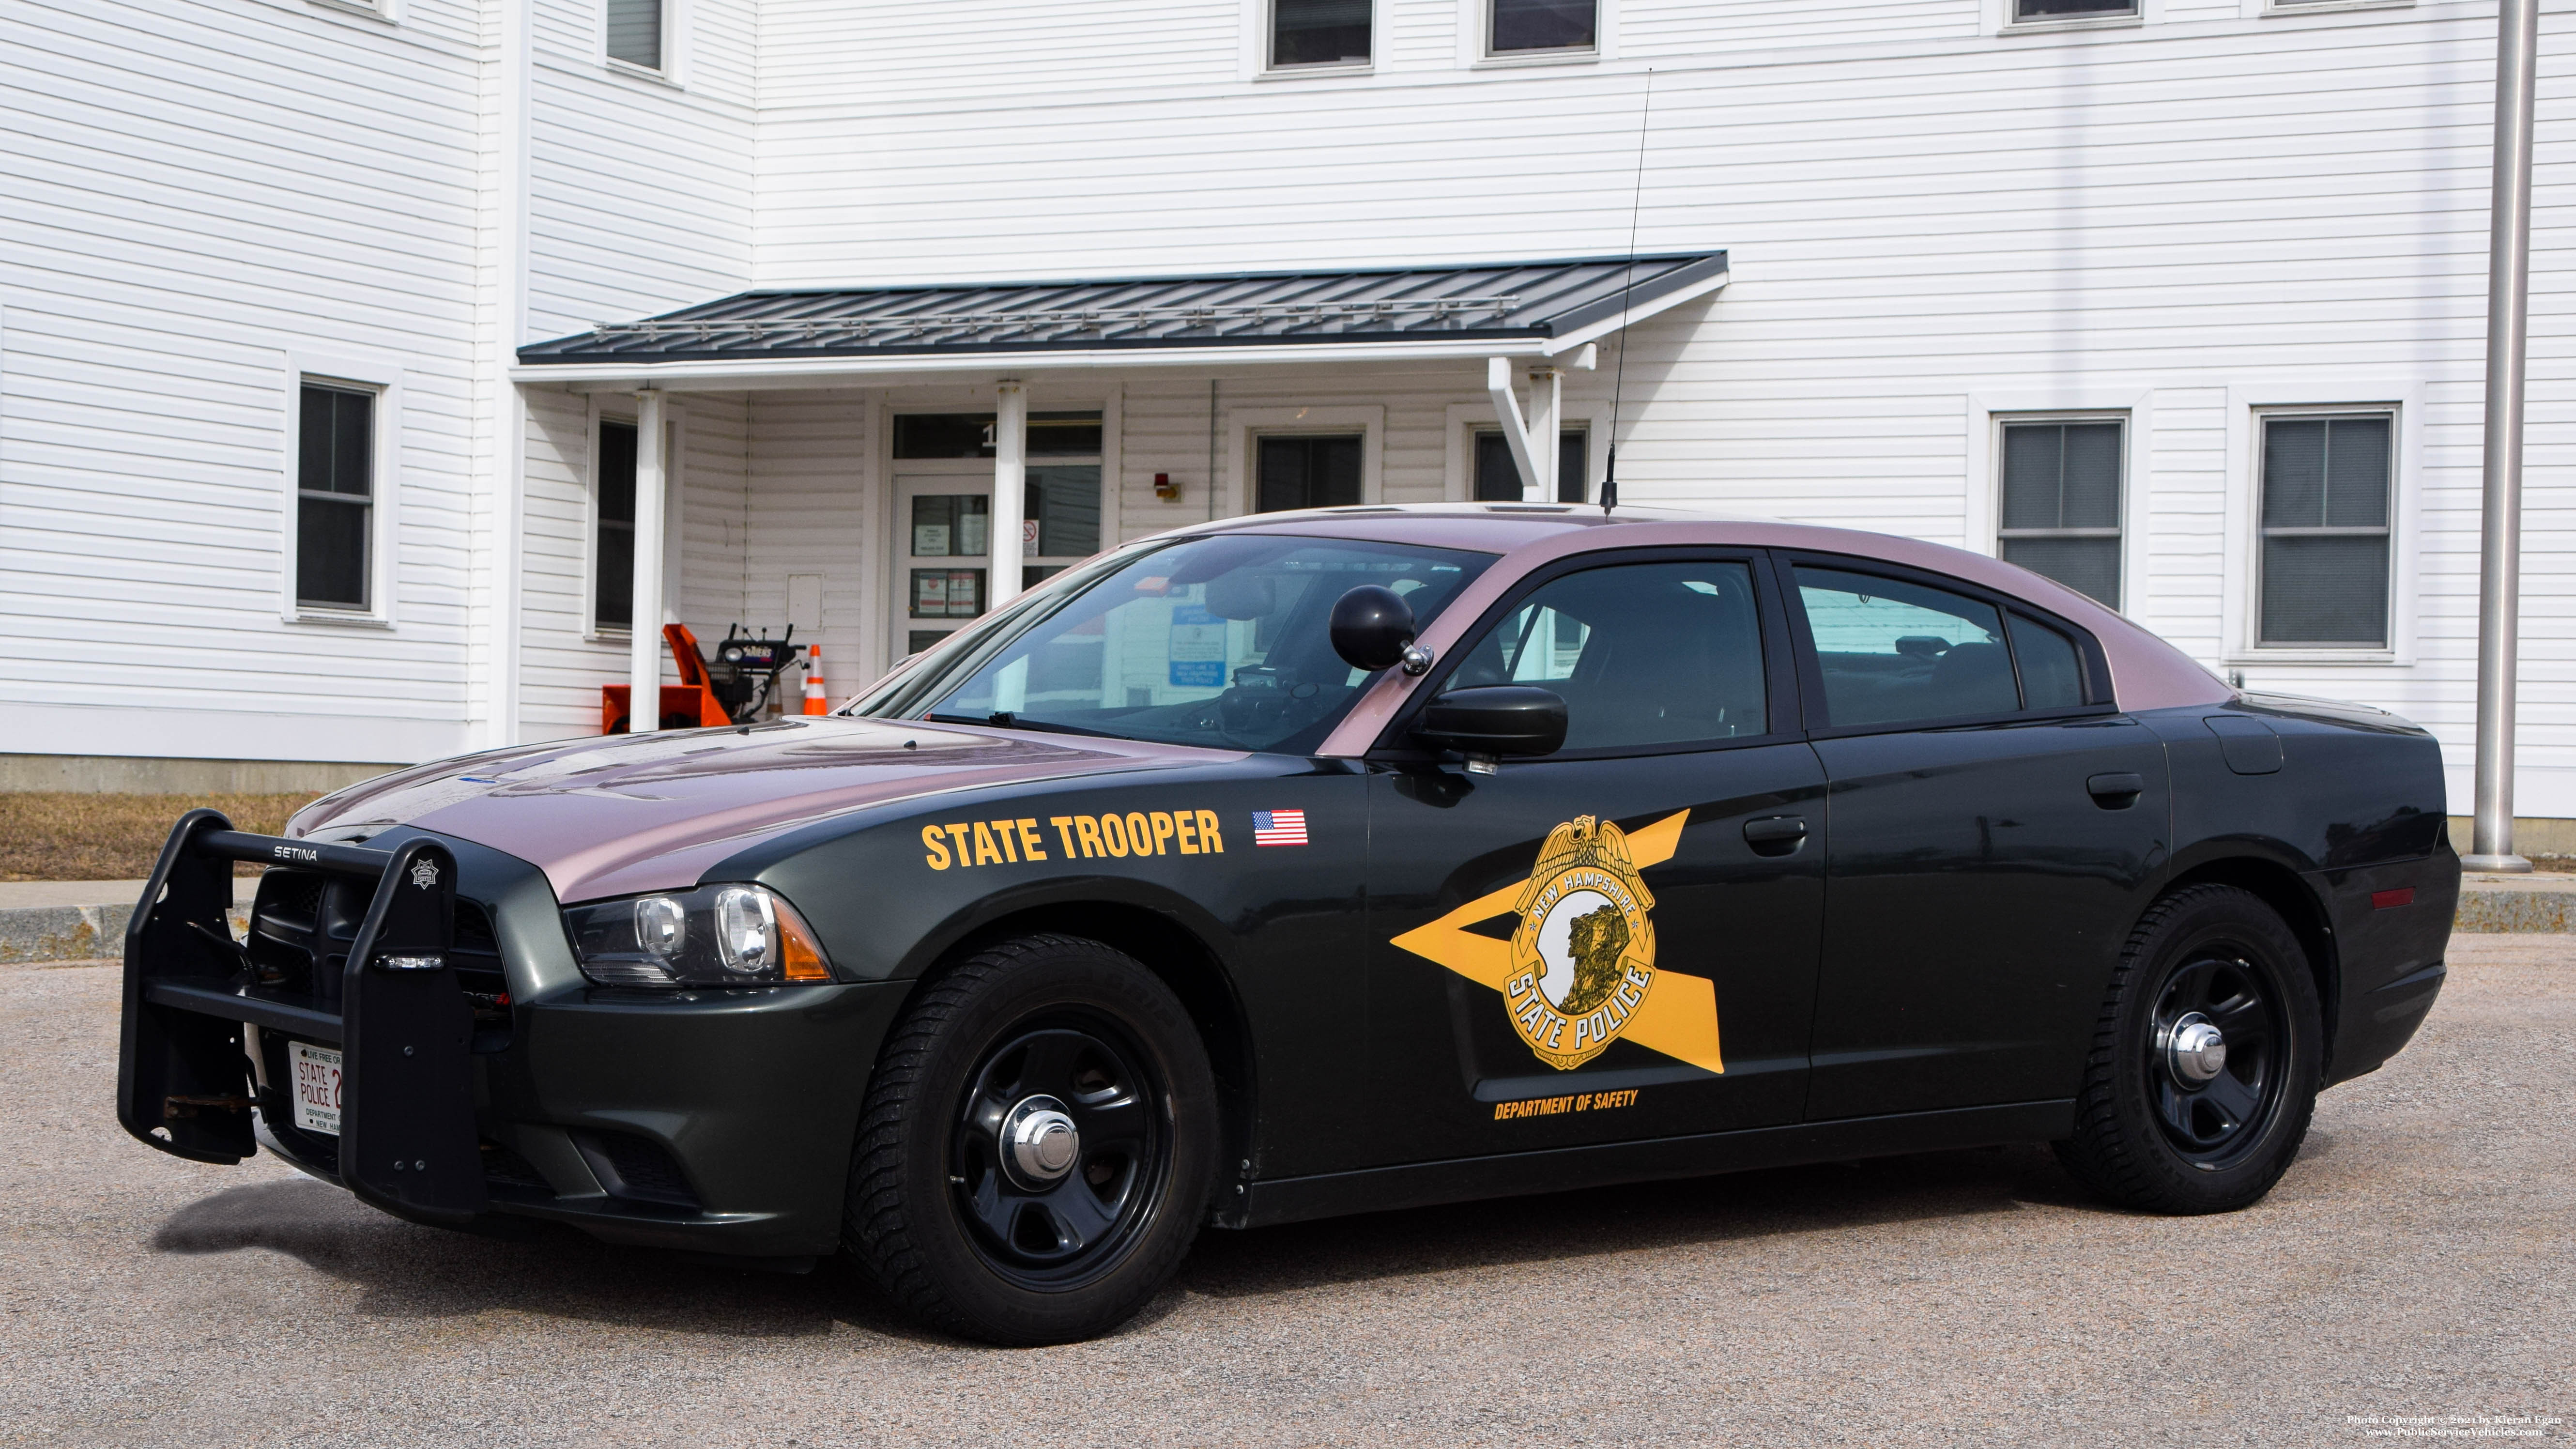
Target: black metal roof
(1347,305)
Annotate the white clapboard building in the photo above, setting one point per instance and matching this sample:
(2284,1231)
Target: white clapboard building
(327,327)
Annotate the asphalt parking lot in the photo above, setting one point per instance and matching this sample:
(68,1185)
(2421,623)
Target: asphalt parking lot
(2415,1264)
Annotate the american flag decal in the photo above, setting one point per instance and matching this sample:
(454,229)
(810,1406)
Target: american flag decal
(1278,827)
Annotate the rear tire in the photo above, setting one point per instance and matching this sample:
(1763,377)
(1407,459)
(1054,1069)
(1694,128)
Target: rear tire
(1038,1145)
(2165,1124)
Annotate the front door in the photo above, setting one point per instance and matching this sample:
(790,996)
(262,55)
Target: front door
(943,562)
(1997,828)
(943,512)
(1618,941)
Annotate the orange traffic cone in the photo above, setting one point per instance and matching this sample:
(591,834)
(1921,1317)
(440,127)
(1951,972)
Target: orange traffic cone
(815,703)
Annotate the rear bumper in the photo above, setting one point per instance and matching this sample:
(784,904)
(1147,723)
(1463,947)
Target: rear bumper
(710,1121)
(2392,925)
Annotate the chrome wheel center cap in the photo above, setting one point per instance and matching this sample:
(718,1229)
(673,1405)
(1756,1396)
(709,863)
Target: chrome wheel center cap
(2195,1050)
(1039,1141)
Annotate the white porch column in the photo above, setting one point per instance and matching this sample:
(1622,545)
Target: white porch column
(1547,406)
(644,658)
(1010,491)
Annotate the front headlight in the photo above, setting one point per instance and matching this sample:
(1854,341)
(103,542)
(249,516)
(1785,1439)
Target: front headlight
(726,935)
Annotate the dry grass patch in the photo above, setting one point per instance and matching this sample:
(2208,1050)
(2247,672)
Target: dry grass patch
(69,835)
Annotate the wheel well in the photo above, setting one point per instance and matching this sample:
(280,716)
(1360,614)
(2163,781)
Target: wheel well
(2280,888)
(1186,965)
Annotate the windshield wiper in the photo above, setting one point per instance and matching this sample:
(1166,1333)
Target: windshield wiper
(1004,719)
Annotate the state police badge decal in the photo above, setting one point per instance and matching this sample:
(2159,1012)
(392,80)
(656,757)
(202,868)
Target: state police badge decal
(1583,955)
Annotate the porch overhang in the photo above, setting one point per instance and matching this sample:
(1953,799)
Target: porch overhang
(1466,313)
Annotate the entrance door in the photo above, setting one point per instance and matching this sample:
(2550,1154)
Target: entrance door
(943,486)
(1995,835)
(1618,941)
(943,565)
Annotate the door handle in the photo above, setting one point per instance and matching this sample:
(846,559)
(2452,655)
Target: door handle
(2116,791)
(1775,834)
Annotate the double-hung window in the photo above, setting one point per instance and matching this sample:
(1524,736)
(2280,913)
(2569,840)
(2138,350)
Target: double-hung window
(335,498)
(1313,33)
(1541,27)
(2061,502)
(2324,562)
(634,32)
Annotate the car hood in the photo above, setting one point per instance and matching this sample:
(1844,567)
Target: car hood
(609,816)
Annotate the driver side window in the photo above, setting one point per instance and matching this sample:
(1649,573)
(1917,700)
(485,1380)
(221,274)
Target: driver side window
(1643,654)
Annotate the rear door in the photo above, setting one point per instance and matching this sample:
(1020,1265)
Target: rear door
(1618,941)
(1997,827)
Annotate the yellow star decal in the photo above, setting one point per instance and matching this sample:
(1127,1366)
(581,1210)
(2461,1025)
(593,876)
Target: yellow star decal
(1679,1018)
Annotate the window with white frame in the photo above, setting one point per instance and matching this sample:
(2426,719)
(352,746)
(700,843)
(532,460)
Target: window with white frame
(1308,33)
(2323,567)
(634,32)
(335,497)
(2060,489)
(612,539)
(2032,12)
(1537,27)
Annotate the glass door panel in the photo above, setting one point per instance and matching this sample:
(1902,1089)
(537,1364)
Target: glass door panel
(943,571)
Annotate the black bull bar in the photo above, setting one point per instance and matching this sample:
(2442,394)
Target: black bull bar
(407,1138)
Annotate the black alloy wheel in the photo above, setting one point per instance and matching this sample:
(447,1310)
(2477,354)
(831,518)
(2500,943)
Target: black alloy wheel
(2205,1060)
(1038,1144)
(1058,1153)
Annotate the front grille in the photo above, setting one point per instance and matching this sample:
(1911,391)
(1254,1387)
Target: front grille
(303,923)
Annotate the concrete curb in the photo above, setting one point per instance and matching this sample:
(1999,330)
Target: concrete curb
(71,933)
(2538,904)
(61,933)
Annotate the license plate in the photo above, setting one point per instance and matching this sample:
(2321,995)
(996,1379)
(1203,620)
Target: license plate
(316,1087)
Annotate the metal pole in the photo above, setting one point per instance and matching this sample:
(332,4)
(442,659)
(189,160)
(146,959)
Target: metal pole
(644,612)
(2500,532)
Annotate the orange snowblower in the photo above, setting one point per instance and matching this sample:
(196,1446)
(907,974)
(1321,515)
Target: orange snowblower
(687,705)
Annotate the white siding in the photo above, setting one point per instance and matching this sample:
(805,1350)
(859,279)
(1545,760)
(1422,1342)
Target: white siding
(192,195)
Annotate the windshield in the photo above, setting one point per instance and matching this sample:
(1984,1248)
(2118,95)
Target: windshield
(1211,641)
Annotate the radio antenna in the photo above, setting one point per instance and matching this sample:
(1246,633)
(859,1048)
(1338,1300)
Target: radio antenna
(1619,383)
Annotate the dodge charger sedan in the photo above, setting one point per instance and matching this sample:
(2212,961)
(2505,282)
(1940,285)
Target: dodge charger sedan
(1320,863)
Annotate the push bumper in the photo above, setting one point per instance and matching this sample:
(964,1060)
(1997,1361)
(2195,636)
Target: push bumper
(712,1121)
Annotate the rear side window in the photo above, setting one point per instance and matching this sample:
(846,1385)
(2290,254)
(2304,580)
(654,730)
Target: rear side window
(1644,655)
(2052,673)
(1892,651)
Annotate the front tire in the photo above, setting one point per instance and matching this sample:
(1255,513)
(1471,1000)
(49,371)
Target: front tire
(1038,1145)
(2205,1061)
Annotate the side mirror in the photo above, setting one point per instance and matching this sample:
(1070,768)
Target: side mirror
(1495,719)
(1373,629)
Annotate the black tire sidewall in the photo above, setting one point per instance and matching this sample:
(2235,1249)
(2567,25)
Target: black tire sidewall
(2233,923)
(1011,985)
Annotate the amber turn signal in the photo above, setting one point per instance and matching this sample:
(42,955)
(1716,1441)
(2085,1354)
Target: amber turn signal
(800,954)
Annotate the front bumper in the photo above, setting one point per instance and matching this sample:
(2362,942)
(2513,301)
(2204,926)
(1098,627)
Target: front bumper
(711,1121)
